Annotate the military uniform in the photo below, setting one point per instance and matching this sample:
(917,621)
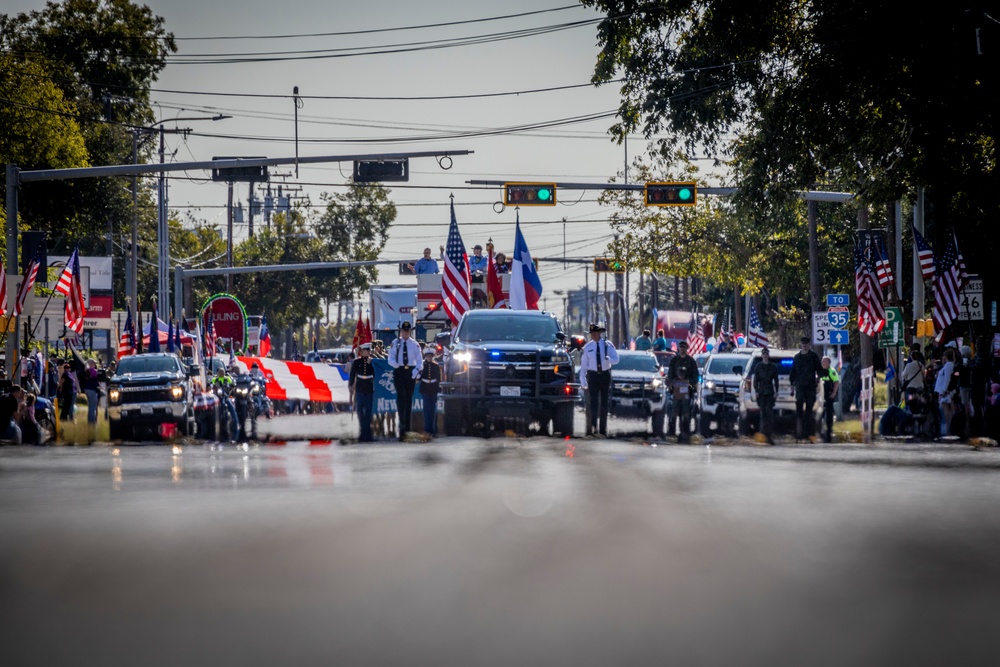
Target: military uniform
(596,360)
(362,383)
(430,385)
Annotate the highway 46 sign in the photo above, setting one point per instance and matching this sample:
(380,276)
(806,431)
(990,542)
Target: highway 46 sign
(971,300)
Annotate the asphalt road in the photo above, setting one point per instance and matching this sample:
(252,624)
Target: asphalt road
(500,552)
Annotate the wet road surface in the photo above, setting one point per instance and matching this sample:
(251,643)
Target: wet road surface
(506,551)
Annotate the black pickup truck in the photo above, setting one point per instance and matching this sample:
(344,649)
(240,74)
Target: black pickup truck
(508,366)
(148,390)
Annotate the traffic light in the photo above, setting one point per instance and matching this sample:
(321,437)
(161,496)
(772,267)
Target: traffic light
(608,265)
(671,194)
(529,194)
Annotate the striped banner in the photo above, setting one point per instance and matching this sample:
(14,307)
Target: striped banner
(296,380)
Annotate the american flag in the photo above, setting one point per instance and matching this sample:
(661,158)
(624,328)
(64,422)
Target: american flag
(126,344)
(963,272)
(871,312)
(695,339)
(209,337)
(456,283)
(69,286)
(756,336)
(3,290)
(27,282)
(883,269)
(924,254)
(947,284)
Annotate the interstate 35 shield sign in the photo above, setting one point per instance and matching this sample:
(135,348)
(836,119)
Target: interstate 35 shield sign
(229,320)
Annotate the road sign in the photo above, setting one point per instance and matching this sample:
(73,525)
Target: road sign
(382,171)
(838,316)
(892,334)
(971,300)
(821,329)
(839,337)
(838,300)
(240,173)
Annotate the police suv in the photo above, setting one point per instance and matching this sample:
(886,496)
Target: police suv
(638,389)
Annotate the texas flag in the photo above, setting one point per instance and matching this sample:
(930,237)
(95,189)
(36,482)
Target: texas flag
(525,285)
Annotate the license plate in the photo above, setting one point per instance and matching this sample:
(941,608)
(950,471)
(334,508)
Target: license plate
(510,391)
(626,402)
(146,410)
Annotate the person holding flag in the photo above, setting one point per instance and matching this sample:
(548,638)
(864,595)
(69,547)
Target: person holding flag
(525,285)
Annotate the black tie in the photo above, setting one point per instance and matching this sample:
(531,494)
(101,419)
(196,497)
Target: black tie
(597,352)
(406,358)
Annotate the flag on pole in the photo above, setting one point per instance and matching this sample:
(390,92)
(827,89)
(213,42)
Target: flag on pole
(925,255)
(871,313)
(359,335)
(963,272)
(883,269)
(264,347)
(138,317)
(126,344)
(696,338)
(154,332)
(947,286)
(178,347)
(210,337)
(456,285)
(494,288)
(756,336)
(3,290)
(70,286)
(525,285)
(170,336)
(368,329)
(27,282)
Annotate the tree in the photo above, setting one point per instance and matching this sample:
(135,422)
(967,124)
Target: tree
(866,94)
(355,226)
(104,55)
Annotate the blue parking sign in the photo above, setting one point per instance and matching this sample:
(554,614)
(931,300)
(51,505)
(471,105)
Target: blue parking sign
(838,300)
(839,337)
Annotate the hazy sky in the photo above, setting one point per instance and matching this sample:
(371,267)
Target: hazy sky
(576,152)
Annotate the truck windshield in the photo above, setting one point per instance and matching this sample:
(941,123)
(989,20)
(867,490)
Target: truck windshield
(508,327)
(726,366)
(637,362)
(146,365)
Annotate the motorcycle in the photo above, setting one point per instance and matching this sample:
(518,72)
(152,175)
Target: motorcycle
(45,415)
(227,429)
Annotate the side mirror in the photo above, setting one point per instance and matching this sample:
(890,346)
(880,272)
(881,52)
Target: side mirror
(738,370)
(443,339)
(194,370)
(577,342)
(560,336)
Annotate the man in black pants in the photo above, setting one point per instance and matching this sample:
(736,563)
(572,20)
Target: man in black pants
(596,360)
(804,378)
(404,357)
(682,378)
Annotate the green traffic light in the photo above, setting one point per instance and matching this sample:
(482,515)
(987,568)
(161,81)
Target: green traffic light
(685,194)
(544,194)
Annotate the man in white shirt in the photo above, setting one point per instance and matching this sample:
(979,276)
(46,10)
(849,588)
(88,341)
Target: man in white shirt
(405,359)
(595,377)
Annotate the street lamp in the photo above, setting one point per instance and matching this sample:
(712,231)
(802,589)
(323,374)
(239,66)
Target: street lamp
(162,229)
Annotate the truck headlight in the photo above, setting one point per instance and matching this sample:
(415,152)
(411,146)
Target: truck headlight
(462,357)
(176,392)
(115,394)
(709,385)
(654,384)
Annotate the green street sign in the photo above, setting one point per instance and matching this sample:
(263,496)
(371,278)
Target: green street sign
(892,334)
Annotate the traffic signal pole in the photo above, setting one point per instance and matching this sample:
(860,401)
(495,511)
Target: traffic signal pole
(15,177)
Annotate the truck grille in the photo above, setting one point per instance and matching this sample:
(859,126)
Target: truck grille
(145,394)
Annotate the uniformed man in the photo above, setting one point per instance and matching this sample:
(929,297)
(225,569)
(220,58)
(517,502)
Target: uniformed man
(361,383)
(804,378)
(831,387)
(430,385)
(595,377)
(765,383)
(682,377)
(404,357)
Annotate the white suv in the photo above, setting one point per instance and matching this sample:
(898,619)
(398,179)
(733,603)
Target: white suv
(719,390)
(784,404)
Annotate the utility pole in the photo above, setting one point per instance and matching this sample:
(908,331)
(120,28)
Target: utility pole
(814,288)
(229,237)
(918,277)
